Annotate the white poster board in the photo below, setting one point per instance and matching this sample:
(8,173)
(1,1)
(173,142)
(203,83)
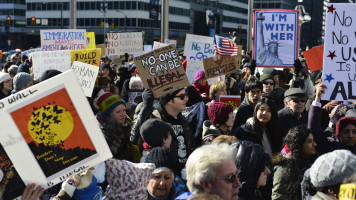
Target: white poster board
(86,75)
(50,133)
(63,39)
(157,45)
(168,42)
(339,72)
(44,60)
(121,43)
(196,38)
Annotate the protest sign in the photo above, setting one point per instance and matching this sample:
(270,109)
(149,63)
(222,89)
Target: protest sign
(146,49)
(86,75)
(121,43)
(90,40)
(157,45)
(194,66)
(339,71)
(168,42)
(161,70)
(103,49)
(44,60)
(51,132)
(196,38)
(275,37)
(233,100)
(224,65)
(63,39)
(314,58)
(89,56)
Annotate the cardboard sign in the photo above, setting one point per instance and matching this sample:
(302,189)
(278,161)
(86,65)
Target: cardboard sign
(103,49)
(194,66)
(44,60)
(314,58)
(157,45)
(50,131)
(121,43)
(91,40)
(275,37)
(339,72)
(161,70)
(233,100)
(223,66)
(63,39)
(86,75)
(347,191)
(89,56)
(196,38)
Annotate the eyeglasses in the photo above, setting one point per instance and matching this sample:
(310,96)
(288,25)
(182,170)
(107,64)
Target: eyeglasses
(298,100)
(268,83)
(182,96)
(229,179)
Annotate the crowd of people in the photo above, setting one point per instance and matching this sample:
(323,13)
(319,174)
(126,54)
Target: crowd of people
(282,142)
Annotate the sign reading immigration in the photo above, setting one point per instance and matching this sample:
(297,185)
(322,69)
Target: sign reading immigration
(161,70)
(86,75)
(121,43)
(224,65)
(63,39)
(339,71)
(44,60)
(51,133)
(275,37)
(89,56)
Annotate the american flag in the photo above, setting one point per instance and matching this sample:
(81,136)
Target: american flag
(224,46)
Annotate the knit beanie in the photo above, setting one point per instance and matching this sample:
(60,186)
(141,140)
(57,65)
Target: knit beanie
(108,102)
(332,168)
(218,112)
(349,113)
(271,71)
(161,157)
(167,97)
(154,130)
(21,79)
(343,122)
(200,74)
(4,76)
(265,77)
(49,74)
(105,66)
(13,69)
(193,94)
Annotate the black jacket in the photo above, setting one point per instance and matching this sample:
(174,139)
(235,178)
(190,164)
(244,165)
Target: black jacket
(287,120)
(243,113)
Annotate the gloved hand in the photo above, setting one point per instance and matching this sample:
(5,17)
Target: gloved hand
(148,97)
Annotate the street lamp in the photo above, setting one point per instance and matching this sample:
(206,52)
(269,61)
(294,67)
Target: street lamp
(303,17)
(125,18)
(104,9)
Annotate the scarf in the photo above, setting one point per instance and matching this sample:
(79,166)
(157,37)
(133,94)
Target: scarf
(196,110)
(93,192)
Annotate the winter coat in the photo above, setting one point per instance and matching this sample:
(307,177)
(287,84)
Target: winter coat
(203,89)
(172,194)
(210,132)
(234,87)
(287,120)
(278,163)
(243,113)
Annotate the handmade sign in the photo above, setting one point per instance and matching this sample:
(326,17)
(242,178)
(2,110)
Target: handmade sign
(44,60)
(63,39)
(339,72)
(275,37)
(347,191)
(121,43)
(314,58)
(146,49)
(161,70)
(195,38)
(89,56)
(225,65)
(86,75)
(103,49)
(51,133)
(157,45)
(168,42)
(233,100)
(90,40)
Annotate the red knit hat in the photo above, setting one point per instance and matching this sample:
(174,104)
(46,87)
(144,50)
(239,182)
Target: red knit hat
(218,112)
(343,122)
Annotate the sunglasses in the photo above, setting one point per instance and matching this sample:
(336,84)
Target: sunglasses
(182,96)
(230,179)
(268,83)
(299,100)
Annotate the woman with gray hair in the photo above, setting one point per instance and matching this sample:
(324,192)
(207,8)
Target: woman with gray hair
(211,169)
(134,95)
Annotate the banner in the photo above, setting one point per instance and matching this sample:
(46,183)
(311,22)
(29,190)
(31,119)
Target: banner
(339,73)
(223,66)
(233,100)
(161,70)
(86,75)
(89,56)
(275,37)
(121,43)
(63,39)
(90,40)
(50,131)
(44,60)
(314,58)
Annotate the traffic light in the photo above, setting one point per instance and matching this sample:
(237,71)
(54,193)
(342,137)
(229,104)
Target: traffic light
(102,25)
(8,20)
(33,21)
(239,29)
(112,26)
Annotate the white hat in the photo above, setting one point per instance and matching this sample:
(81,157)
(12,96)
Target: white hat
(4,76)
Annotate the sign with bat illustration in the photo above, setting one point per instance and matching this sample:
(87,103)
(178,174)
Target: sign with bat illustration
(51,133)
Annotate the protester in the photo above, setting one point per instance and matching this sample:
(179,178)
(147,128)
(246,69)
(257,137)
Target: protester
(49,74)
(221,119)
(105,84)
(252,176)
(268,84)
(253,91)
(5,85)
(30,193)
(263,128)
(218,88)
(26,65)
(201,85)
(296,157)
(97,91)
(22,81)
(13,70)
(233,87)
(335,115)
(134,95)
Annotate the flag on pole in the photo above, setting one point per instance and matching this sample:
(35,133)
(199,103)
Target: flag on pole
(224,46)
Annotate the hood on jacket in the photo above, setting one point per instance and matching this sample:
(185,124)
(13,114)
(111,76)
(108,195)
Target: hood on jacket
(210,130)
